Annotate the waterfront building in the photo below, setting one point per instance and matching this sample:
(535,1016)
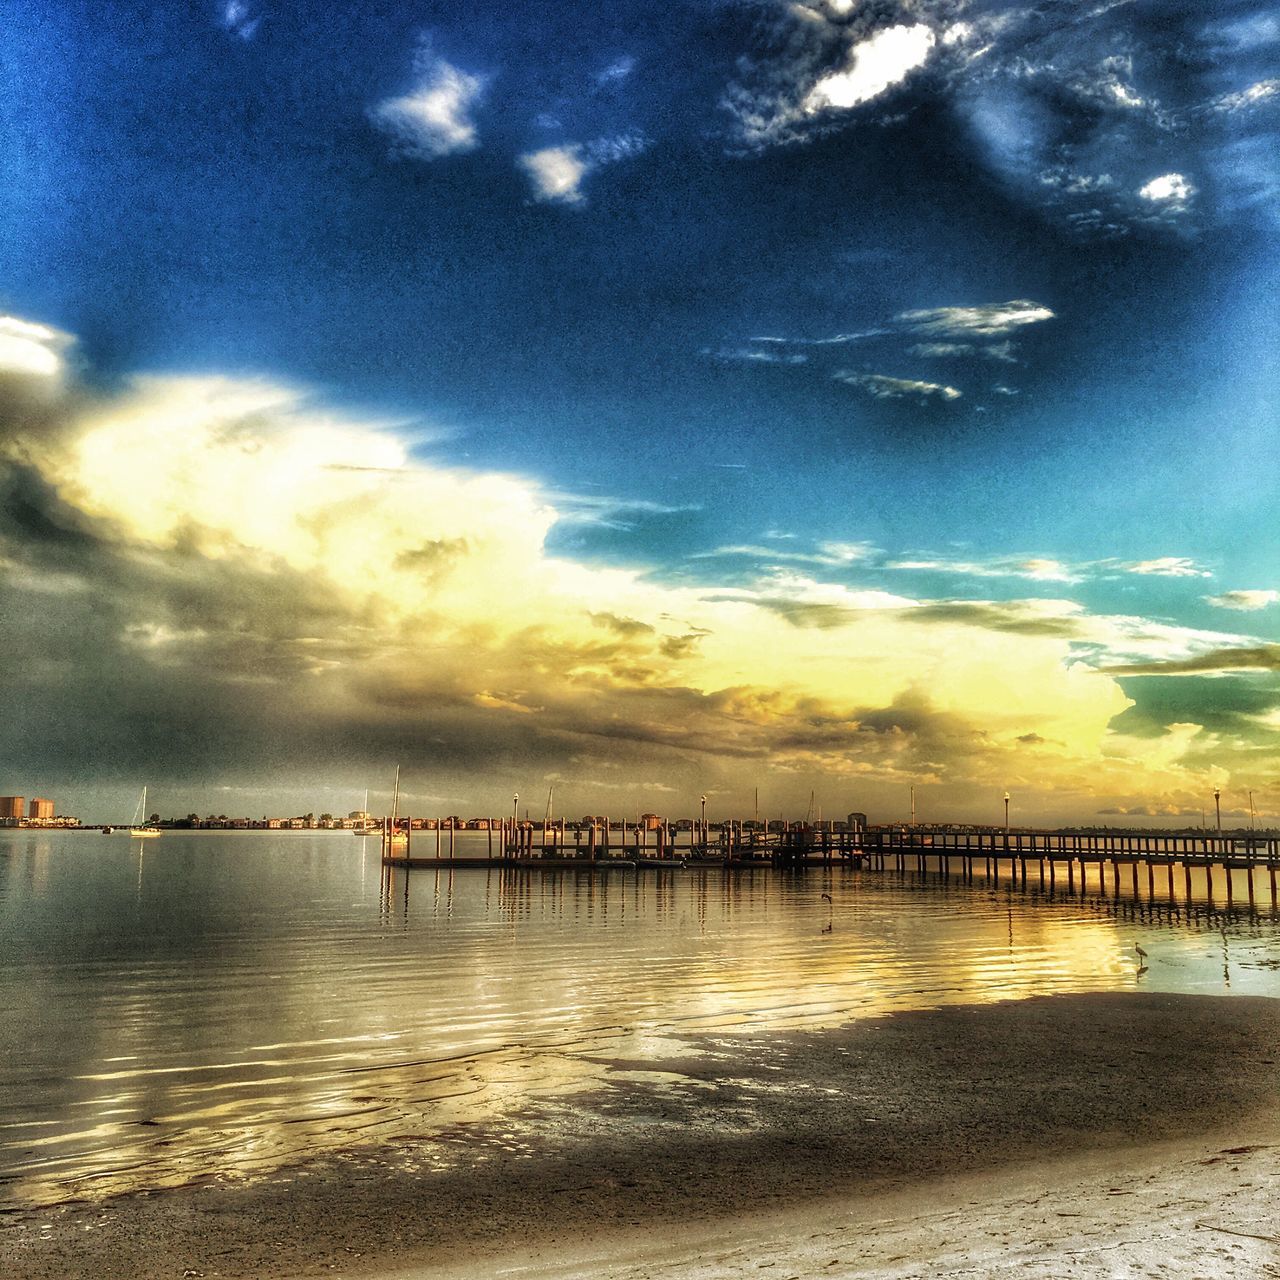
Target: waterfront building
(41,809)
(857,822)
(12,806)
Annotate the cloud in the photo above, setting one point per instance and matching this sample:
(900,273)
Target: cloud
(874,65)
(1058,618)
(1170,188)
(1034,568)
(1255,95)
(31,350)
(1168,567)
(1245,601)
(812,63)
(301,598)
(239,19)
(982,330)
(434,118)
(832,554)
(985,320)
(557,173)
(757,355)
(1075,114)
(1255,658)
(617,71)
(884,387)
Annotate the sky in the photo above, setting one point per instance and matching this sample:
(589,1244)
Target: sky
(823,398)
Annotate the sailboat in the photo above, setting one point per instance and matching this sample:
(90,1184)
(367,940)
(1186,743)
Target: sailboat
(366,827)
(395,836)
(140,827)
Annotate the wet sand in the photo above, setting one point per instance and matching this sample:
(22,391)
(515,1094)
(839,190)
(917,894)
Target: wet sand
(1067,1135)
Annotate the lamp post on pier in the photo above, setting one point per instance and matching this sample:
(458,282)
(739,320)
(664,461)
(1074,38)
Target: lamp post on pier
(702,826)
(1217,806)
(1006,812)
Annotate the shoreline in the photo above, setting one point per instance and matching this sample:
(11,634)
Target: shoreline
(785,1128)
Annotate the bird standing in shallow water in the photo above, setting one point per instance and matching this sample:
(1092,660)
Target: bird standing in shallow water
(1142,955)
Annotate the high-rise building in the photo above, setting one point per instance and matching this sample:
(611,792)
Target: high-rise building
(11,806)
(41,808)
(857,822)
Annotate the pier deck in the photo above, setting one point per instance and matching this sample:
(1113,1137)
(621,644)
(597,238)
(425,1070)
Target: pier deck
(1045,855)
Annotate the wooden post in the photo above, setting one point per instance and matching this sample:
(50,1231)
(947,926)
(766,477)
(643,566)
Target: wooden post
(451,830)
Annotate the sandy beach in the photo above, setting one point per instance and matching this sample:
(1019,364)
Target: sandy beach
(1100,1135)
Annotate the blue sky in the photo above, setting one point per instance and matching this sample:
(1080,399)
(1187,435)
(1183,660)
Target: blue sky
(981,295)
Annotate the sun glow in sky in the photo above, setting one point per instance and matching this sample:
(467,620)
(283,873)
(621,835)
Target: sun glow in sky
(809,397)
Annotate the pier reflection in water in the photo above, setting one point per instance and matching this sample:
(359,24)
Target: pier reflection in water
(228,1003)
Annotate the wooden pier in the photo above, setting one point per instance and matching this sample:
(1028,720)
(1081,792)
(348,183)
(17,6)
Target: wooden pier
(1103,862)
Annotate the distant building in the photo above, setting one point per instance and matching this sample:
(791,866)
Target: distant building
(41,809)
(857,822)
(12,806)
(650,821)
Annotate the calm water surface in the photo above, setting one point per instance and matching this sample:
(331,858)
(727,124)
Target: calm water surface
(229,1002)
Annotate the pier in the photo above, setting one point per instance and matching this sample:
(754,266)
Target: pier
(1099,861)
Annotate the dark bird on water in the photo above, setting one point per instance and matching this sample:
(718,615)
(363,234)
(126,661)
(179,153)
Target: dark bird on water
(1142,955)
(827,896)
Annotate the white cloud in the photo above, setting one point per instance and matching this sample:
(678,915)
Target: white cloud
(31,350)
(433,119)
(1169,187)
(836,340)
(875,65)
(617,70)
(1033,568)
(1245,601)
(1253,96)
(884,387)
(986,320)
(556,173)
(1002,351)
(829,554)
(238,18)
(1169,567)
(758,355)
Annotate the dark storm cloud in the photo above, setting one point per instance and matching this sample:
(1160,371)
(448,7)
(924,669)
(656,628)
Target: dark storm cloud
(1013,617)
(1257,658)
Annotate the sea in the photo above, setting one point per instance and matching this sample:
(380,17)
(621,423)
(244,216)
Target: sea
(228,1003)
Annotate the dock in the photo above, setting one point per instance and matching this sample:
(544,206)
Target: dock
(1095,861)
